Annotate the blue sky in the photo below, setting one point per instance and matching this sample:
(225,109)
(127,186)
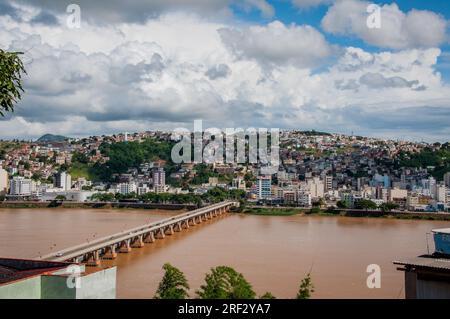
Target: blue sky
(286,12)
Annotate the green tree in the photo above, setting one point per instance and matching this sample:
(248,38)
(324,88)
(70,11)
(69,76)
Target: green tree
(387,207)
(267,295)
(225,283)
(306,288)
(365,204)
(173,285)
(11,69)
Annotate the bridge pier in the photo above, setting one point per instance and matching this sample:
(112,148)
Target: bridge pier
(125,247)
(110,252)
(93,259)
(177,227)
(161,234)
(149,238)
(137,242)
(169,230)
(186,224)
(192,221)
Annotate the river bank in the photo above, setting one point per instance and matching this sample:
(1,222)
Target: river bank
(285,211)
(90,205)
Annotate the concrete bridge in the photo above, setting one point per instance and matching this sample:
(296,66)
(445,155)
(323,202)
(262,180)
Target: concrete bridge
(107,247)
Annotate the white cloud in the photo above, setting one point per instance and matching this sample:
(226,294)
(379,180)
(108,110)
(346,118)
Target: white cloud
(304,4)
(399,30)
(277,44)
(178,67)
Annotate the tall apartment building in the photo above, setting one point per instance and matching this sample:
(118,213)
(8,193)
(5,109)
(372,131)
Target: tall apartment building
(447,179)
(3,181)
(62,180)
(328,183)
(159,180)
(126,188)
(20,186)
(263,187)
(316,187)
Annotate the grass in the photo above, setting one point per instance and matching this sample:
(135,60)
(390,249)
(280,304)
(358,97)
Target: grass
(78,170)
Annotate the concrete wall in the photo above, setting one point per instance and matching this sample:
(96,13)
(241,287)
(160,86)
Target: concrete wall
(98,285)
(24,289)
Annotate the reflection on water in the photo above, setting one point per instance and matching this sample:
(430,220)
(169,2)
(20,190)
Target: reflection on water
(273,253)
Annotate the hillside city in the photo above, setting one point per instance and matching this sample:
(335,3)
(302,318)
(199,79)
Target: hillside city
(316,169)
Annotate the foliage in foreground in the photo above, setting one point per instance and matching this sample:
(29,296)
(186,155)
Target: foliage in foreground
(306,288)
(11,69)
(225,283)
(174,284)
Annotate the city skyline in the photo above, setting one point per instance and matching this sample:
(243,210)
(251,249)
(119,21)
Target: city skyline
(290,65)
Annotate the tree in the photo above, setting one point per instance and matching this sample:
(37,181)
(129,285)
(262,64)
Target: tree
(267,295)
(342,204)
(225,283)
(387,207)
(11,69)
(365,204)
(306,288)
(173,285)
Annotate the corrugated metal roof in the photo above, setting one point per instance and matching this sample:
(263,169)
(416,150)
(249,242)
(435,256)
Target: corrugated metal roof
(426,262)
(441,230)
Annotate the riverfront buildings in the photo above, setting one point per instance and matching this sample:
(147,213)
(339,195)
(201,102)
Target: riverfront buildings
(329,170)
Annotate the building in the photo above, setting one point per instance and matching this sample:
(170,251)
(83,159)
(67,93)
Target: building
(263,187)
(316,187)
(328,183)
(428,276)
(19,186)
(3,181)
(37,279)
(126,188)
(447,179)
(63,181)
(159,180)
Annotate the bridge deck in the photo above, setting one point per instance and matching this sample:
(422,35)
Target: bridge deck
(100,243)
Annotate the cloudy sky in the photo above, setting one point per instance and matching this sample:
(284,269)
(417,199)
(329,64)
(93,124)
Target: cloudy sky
(159,64)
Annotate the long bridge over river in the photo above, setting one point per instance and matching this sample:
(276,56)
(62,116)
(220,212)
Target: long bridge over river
(107,247)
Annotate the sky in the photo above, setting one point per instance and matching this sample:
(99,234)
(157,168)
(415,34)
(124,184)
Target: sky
(142,65)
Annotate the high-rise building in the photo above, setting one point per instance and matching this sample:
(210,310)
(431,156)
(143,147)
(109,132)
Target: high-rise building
(328,183)
(3,181)
(159,180)
(127,188)
(62,180)
(263,187)
(316,187)
(447,179)
(20,186)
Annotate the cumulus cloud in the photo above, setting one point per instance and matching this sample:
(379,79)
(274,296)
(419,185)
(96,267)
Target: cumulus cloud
(303,4)
(399,30)
(115,11)
(277,44)
(218,71)
(170,70)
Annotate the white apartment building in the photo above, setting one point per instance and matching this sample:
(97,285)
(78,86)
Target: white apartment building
(20,186)
(63,181)
(263,187)
(3,181)
(126,188)
(159,180)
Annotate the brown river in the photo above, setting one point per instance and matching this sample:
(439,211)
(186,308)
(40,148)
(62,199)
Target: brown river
(273,252)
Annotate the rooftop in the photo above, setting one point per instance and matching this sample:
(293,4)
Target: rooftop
(16,269)
(441,230)
(427,262)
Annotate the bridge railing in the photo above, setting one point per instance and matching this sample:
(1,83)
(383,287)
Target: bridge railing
(131,233)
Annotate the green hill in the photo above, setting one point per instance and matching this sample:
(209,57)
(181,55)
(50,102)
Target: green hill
(51,138)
